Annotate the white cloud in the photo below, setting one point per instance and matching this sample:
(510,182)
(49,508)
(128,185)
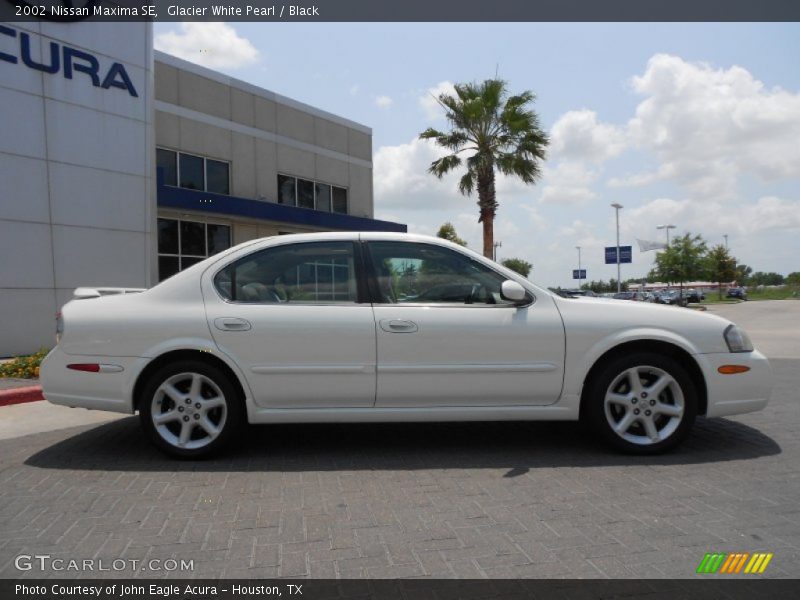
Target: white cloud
(383,101)
(568,183)
(577,135)
(709,126)
(714,218)
(537,221)
(428,101)
(213,45)
(402,179)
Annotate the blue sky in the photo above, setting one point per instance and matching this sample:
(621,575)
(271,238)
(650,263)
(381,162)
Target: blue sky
(692,124)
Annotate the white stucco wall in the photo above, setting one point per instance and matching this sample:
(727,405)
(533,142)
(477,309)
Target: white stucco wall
(77,200)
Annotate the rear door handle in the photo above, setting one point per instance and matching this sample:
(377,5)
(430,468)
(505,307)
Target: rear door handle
(398,326)
(232,324)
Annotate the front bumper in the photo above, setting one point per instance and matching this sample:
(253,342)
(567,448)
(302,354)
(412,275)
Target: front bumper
(739,393)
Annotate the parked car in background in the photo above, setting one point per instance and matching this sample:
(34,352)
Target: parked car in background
(636,296)
(693,295)
(737,292)
(574,293)
(673,297)
(386,327)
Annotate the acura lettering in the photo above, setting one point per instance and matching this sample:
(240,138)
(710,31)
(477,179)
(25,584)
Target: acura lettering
(69,61)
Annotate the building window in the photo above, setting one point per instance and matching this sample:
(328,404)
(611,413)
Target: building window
(194,172)
(305,193)
(315,195)
(191,172)
(183,243)
(287,190)
(217,179)
(339,200)
(322,195)
(168,161)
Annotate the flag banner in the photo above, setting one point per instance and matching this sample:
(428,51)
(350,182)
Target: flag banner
(646,245)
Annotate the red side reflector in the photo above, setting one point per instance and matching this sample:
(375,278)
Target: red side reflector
(89,367)
(733,369)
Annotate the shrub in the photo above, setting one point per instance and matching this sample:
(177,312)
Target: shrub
(24,367)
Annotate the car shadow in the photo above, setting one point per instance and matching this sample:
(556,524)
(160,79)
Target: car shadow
(519,447)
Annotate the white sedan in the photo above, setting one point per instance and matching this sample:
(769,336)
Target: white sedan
(376,327)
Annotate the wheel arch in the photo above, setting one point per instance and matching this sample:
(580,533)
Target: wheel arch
(185,354)
(648,345)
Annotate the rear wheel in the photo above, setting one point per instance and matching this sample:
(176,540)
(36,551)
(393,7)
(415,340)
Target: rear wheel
(645,403)
(190,409)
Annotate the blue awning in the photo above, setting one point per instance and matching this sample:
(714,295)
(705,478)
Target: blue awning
(220,204)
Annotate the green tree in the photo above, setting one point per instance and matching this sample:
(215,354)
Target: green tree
(683,260)
(448,232)
(499,132)
(771,278)
(523,267)
(793,278)
(743,273)
(603,287)
(721,266)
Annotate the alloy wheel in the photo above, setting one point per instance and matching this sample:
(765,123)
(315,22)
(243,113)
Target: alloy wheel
(189,411)
(644,405)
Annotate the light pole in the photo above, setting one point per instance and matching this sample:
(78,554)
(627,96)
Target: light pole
(579,266)
(667,227)
(495,246)
(617,206)
(725,235)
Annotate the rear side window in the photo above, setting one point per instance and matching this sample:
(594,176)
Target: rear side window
(320,272)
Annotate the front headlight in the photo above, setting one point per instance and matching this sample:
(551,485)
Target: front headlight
(737,339)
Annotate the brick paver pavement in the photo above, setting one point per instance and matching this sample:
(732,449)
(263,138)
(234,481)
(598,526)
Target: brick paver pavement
(437,500)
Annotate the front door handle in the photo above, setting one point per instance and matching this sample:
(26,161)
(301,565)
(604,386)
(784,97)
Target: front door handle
(232,324)
(398,326)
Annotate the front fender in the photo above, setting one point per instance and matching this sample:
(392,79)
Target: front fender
(584,359)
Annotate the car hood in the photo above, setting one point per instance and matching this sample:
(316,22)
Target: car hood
(701,332)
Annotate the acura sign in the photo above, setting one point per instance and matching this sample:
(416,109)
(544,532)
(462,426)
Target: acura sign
(68,61)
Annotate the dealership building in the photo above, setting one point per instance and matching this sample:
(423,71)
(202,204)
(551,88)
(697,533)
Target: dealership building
(122,165)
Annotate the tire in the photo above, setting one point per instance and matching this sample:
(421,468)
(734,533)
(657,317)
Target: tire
(643,403)
(190,409)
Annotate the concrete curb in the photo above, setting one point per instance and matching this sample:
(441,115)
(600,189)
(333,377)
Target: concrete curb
(20,395)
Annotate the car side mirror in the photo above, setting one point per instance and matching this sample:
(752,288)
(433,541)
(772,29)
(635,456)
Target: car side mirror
(511,290)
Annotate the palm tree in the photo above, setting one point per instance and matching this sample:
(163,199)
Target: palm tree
(500,131)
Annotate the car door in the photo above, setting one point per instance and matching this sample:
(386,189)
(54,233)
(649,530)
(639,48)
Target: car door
(447,337)
(290,315)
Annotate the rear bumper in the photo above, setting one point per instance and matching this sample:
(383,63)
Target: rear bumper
(110,391)
(740,393)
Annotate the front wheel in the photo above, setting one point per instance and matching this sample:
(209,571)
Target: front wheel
(190,409)
(644,403)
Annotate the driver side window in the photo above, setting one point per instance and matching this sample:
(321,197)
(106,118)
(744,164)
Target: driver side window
(411,273)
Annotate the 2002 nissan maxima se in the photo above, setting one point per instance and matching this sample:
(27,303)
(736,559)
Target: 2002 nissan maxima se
(369,327)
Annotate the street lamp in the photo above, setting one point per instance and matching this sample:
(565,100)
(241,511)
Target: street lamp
(579,266)
(617,206)
(667,227)
(725,235)
(495,246)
